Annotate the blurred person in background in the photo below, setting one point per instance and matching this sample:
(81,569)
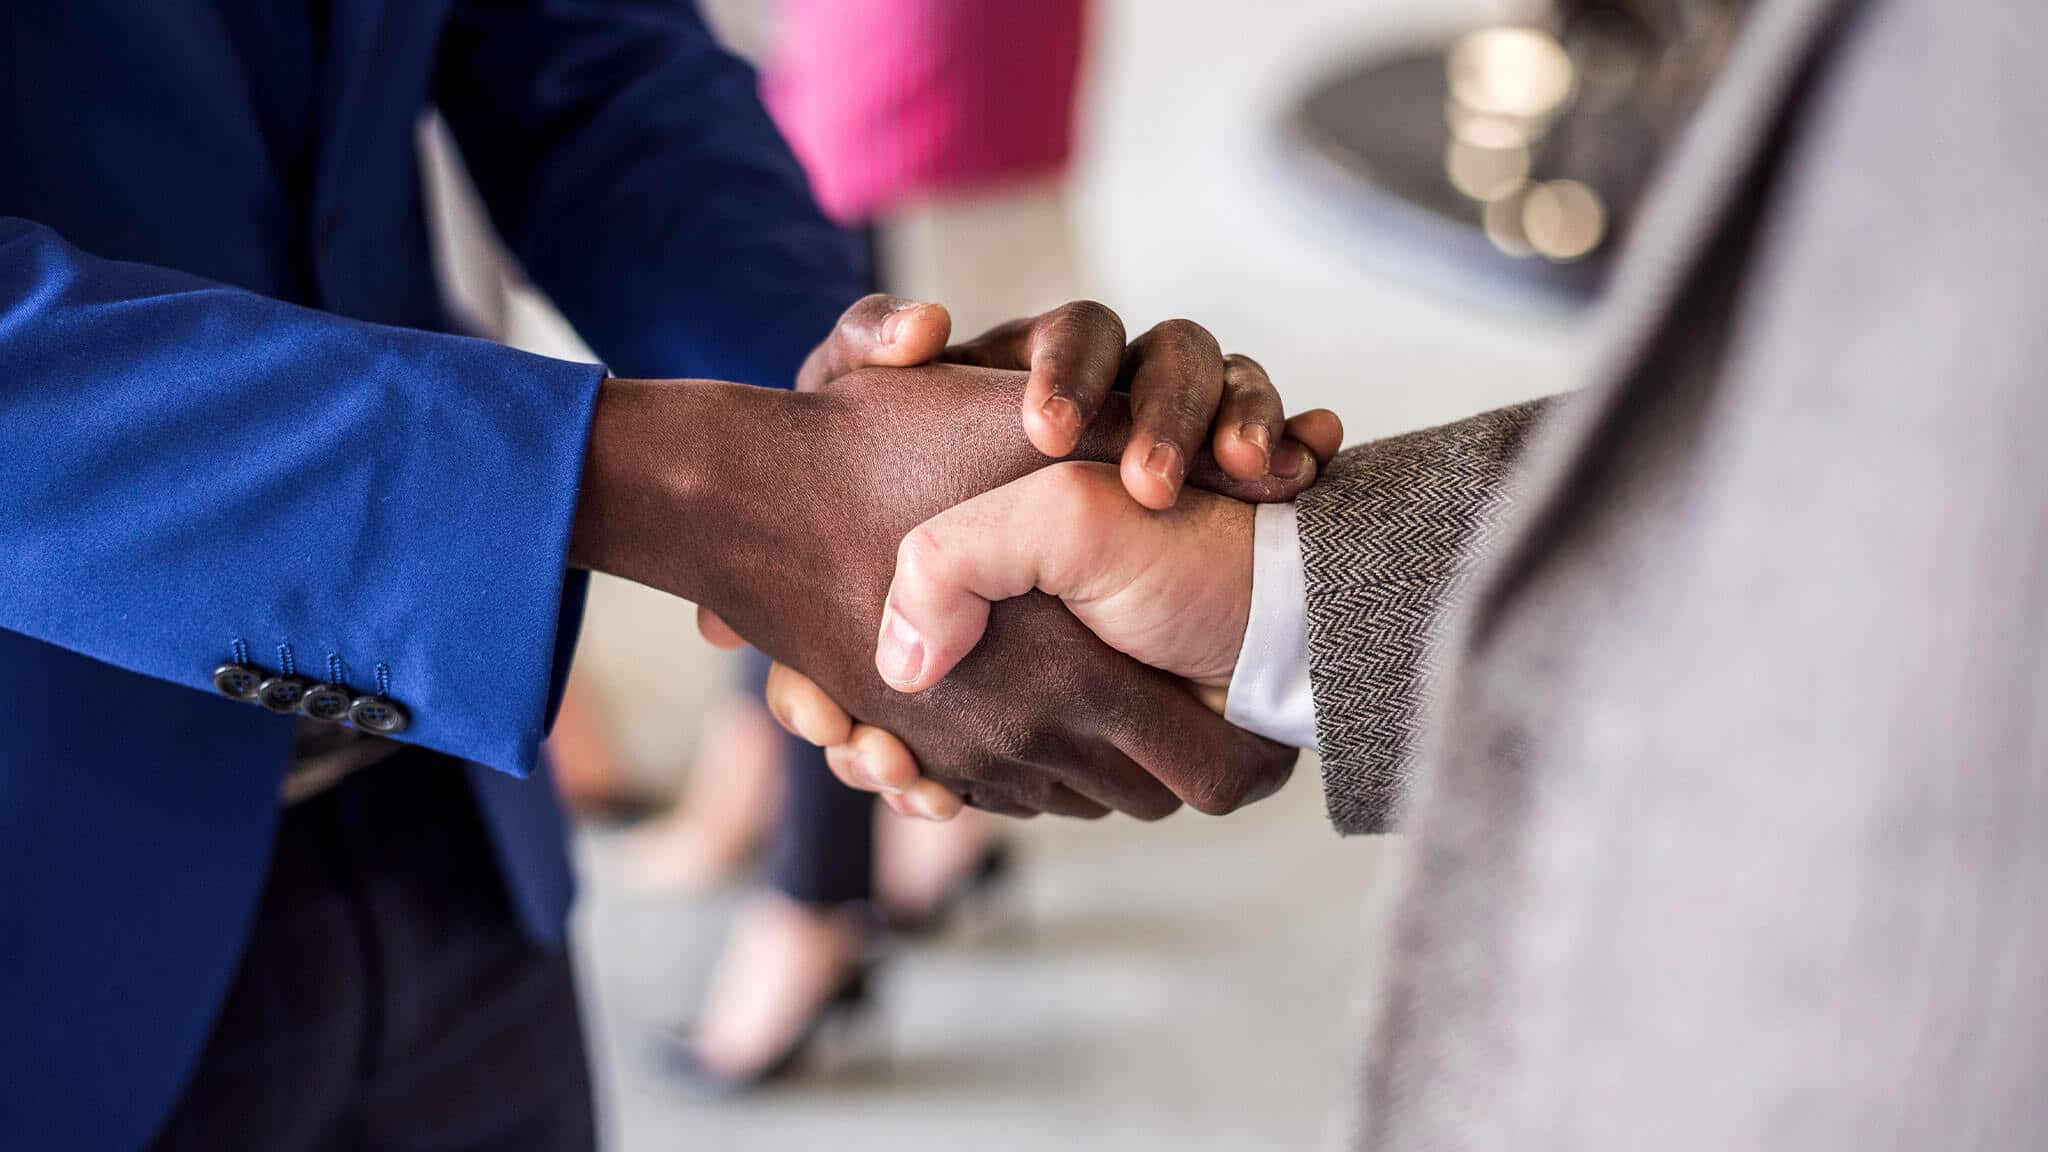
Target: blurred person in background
(290,575)
(943,145)
(1731,811)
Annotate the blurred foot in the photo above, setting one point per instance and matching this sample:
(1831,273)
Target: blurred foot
(712,833)
(786,968)
(923,870)
(588,771)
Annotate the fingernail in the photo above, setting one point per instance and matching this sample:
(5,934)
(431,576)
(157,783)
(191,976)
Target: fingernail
(1164,462)
(1062,414)
(859,768)
(850,763)
(925,806)
(892,324)
(900,655)
(1257,436)
(1290,460)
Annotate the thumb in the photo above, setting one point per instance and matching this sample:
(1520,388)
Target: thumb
(1051,530)
(878,331)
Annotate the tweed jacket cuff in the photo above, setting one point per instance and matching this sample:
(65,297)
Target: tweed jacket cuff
(1389,535)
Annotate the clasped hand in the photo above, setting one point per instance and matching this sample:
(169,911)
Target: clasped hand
(1160,576)
(876,472)
(1170,588)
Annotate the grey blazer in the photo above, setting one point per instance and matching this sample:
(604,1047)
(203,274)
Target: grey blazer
(1730,813)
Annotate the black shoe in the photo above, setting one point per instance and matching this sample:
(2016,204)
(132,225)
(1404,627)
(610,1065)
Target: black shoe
(978,888)
(842,1011)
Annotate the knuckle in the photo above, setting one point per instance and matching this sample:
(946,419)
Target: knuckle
(1182,415)
(920,557)
(1191,410)
(997,804)
(858,322)
(1085,316)
(1189,335)
(1248,370)
(1073,490)
(1219,792)
(1150,810)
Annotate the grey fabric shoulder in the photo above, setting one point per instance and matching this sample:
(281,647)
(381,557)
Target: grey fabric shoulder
(1388,535)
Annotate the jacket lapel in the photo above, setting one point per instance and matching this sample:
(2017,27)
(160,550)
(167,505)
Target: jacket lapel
(1699,184)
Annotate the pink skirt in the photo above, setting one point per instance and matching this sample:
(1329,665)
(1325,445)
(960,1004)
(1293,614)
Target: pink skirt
(887,101)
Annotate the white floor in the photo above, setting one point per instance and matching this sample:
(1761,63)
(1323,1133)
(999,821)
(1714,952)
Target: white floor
(1190,985)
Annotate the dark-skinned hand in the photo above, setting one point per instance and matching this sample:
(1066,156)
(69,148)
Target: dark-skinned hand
(781,512)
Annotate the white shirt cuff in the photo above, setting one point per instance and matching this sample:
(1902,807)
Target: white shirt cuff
(1269,692)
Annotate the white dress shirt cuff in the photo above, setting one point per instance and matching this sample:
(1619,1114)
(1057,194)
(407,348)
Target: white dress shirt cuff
(1269,693)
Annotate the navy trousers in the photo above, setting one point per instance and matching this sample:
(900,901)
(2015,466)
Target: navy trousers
(388,997)
(822,849)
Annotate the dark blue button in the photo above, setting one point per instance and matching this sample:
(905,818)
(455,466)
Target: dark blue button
(377,714)
(282,693)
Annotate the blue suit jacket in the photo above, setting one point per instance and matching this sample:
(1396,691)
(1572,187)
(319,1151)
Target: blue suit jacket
(187,460)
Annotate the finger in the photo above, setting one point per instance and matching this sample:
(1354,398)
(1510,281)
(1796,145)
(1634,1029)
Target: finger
(1001,805)
(1313,439)
(1006,346)
(805,710)
(873,760)
(1064,801)
(1294,466)
(1292,470)
(925,800)
(1066,530)
(1320,431)
(1250,420)
(1176,374)
(878,330)
(1116,782)
(1074,354)
(1215,766)
(717,631)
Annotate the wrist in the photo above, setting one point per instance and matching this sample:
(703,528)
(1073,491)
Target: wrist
(664,480)
(1224,556)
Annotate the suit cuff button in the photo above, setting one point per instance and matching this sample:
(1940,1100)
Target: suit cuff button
(282,694)
(238,681)
(328,702)
(378,715)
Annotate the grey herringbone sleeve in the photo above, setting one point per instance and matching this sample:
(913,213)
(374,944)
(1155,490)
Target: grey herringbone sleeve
(1388,536)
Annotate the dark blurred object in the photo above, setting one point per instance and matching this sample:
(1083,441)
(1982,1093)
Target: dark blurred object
(1513,158)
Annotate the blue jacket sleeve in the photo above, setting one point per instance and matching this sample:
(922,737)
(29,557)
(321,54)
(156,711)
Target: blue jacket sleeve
(185,465)
(627,160)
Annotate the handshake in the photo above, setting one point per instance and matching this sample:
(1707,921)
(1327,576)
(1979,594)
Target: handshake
(1034,616)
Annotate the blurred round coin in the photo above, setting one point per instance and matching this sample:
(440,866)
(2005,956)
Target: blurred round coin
(1510,71)
(1486,173)
(1487,130)
(1563,220)
(1502,221)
